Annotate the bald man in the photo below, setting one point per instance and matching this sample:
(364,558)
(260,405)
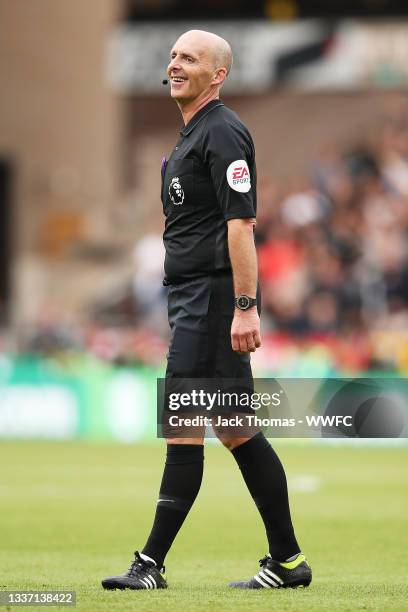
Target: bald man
(209,201)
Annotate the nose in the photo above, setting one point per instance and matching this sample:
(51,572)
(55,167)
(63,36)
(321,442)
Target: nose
(174,64)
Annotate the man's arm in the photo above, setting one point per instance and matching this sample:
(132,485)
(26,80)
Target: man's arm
(245,329)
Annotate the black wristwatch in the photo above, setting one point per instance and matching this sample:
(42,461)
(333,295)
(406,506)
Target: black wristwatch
(243,302)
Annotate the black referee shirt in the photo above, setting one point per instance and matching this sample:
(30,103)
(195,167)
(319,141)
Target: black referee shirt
(209,178)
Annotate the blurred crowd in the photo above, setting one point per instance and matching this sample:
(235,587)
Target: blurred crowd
(333,266)
(333,252)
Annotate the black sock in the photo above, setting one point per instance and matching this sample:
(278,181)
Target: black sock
(265,478)
(183,473)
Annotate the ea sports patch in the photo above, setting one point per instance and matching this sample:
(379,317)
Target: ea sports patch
(238,176)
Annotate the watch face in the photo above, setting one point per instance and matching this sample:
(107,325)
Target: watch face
(243,302)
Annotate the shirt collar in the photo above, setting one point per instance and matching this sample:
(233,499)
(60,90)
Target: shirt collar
(200,115)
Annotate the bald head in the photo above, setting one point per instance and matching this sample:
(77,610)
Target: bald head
(199,64)
(216,48)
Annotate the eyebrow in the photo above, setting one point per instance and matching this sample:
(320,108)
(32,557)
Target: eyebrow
(185,54)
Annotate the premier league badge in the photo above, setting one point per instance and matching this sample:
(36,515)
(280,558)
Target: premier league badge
(176,191)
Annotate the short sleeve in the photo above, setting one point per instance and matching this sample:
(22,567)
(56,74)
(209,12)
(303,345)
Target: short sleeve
(229,153)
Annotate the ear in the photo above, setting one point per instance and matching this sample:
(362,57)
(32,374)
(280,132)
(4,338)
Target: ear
(220,76)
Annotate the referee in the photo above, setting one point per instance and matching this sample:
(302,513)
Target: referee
(209,201)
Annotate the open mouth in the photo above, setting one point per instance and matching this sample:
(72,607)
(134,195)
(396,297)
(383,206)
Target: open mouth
(178,79)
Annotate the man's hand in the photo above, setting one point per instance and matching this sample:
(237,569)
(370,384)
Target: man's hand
(245,331)
(245,328)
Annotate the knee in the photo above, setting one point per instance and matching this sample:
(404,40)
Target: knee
(231,443)
(195,441)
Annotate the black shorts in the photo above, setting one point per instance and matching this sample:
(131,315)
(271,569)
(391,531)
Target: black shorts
(200,315)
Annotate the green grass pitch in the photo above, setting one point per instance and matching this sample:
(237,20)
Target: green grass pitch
(72,513)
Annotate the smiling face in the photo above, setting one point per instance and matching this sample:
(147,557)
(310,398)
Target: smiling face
(194,69)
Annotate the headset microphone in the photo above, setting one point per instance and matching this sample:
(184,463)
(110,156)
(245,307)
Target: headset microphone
(165,82)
